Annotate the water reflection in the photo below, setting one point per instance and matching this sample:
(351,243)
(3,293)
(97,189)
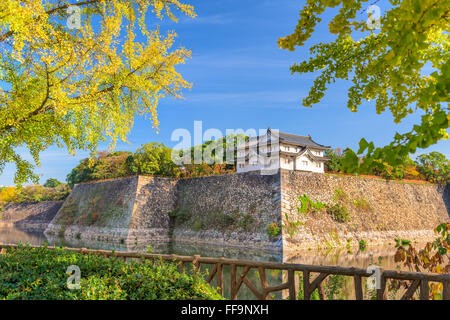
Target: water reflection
(382,256)
(11,235)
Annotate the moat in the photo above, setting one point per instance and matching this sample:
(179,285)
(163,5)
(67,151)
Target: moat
(360,258)
(338,256)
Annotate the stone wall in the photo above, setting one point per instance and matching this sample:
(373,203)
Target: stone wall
(231,209)
(237,209)
(29,216)
(155,198)
(120,210)
(378,210)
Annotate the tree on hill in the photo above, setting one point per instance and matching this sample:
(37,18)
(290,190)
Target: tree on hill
(52,183)
(334,164)
(77,84)
(434,166)
(153,158)
(388,65)
(105,165)
(215,151)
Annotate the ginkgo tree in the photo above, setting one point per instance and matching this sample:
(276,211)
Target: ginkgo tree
(388,64)
(76,87)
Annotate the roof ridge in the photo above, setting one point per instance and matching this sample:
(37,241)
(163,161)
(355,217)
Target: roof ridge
(292,134)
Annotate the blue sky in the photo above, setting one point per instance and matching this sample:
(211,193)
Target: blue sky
(241,79)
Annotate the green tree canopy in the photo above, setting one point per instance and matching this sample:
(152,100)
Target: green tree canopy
(76,87)
(52,183)
(386,65)
(153,158)
(106,165)
(434,166)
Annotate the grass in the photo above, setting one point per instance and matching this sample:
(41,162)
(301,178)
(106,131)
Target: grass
(340,195)
(362,204)
(246,222)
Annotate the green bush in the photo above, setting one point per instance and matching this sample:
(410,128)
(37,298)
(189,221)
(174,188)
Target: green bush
(338,212)
(273,229)
(362,244)
(362,204)
(340,195)
(40,273)
(435,167)
(198,225)
(52,183)
(153,158)
(246,222)
(182,216)
(221,220)
(307,205)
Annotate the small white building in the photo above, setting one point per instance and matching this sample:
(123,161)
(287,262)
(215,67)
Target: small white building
(276,150)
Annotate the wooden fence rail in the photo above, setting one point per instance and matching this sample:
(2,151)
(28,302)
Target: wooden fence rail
(418,281)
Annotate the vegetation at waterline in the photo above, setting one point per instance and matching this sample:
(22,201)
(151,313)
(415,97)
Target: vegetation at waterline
(40,273)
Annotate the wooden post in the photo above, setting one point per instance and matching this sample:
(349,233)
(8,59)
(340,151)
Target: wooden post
(182,267)
(195,263)
(233,291)
(320,290)
(291,281)
(411,290)
(220,278)
(264,283)
(424,290)
(381,291)
(358,287)
(306,293)
(446,290)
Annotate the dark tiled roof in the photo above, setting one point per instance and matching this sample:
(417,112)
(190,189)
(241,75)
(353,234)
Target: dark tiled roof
(304,141)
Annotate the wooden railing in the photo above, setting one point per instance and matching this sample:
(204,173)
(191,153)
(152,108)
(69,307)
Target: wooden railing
(418,281)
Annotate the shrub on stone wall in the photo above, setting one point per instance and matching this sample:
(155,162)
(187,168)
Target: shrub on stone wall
(338,212)
(246,221)
(273,230)
(307,205)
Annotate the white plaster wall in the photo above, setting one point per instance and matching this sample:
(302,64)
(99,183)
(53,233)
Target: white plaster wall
(283,164)
(309,166)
